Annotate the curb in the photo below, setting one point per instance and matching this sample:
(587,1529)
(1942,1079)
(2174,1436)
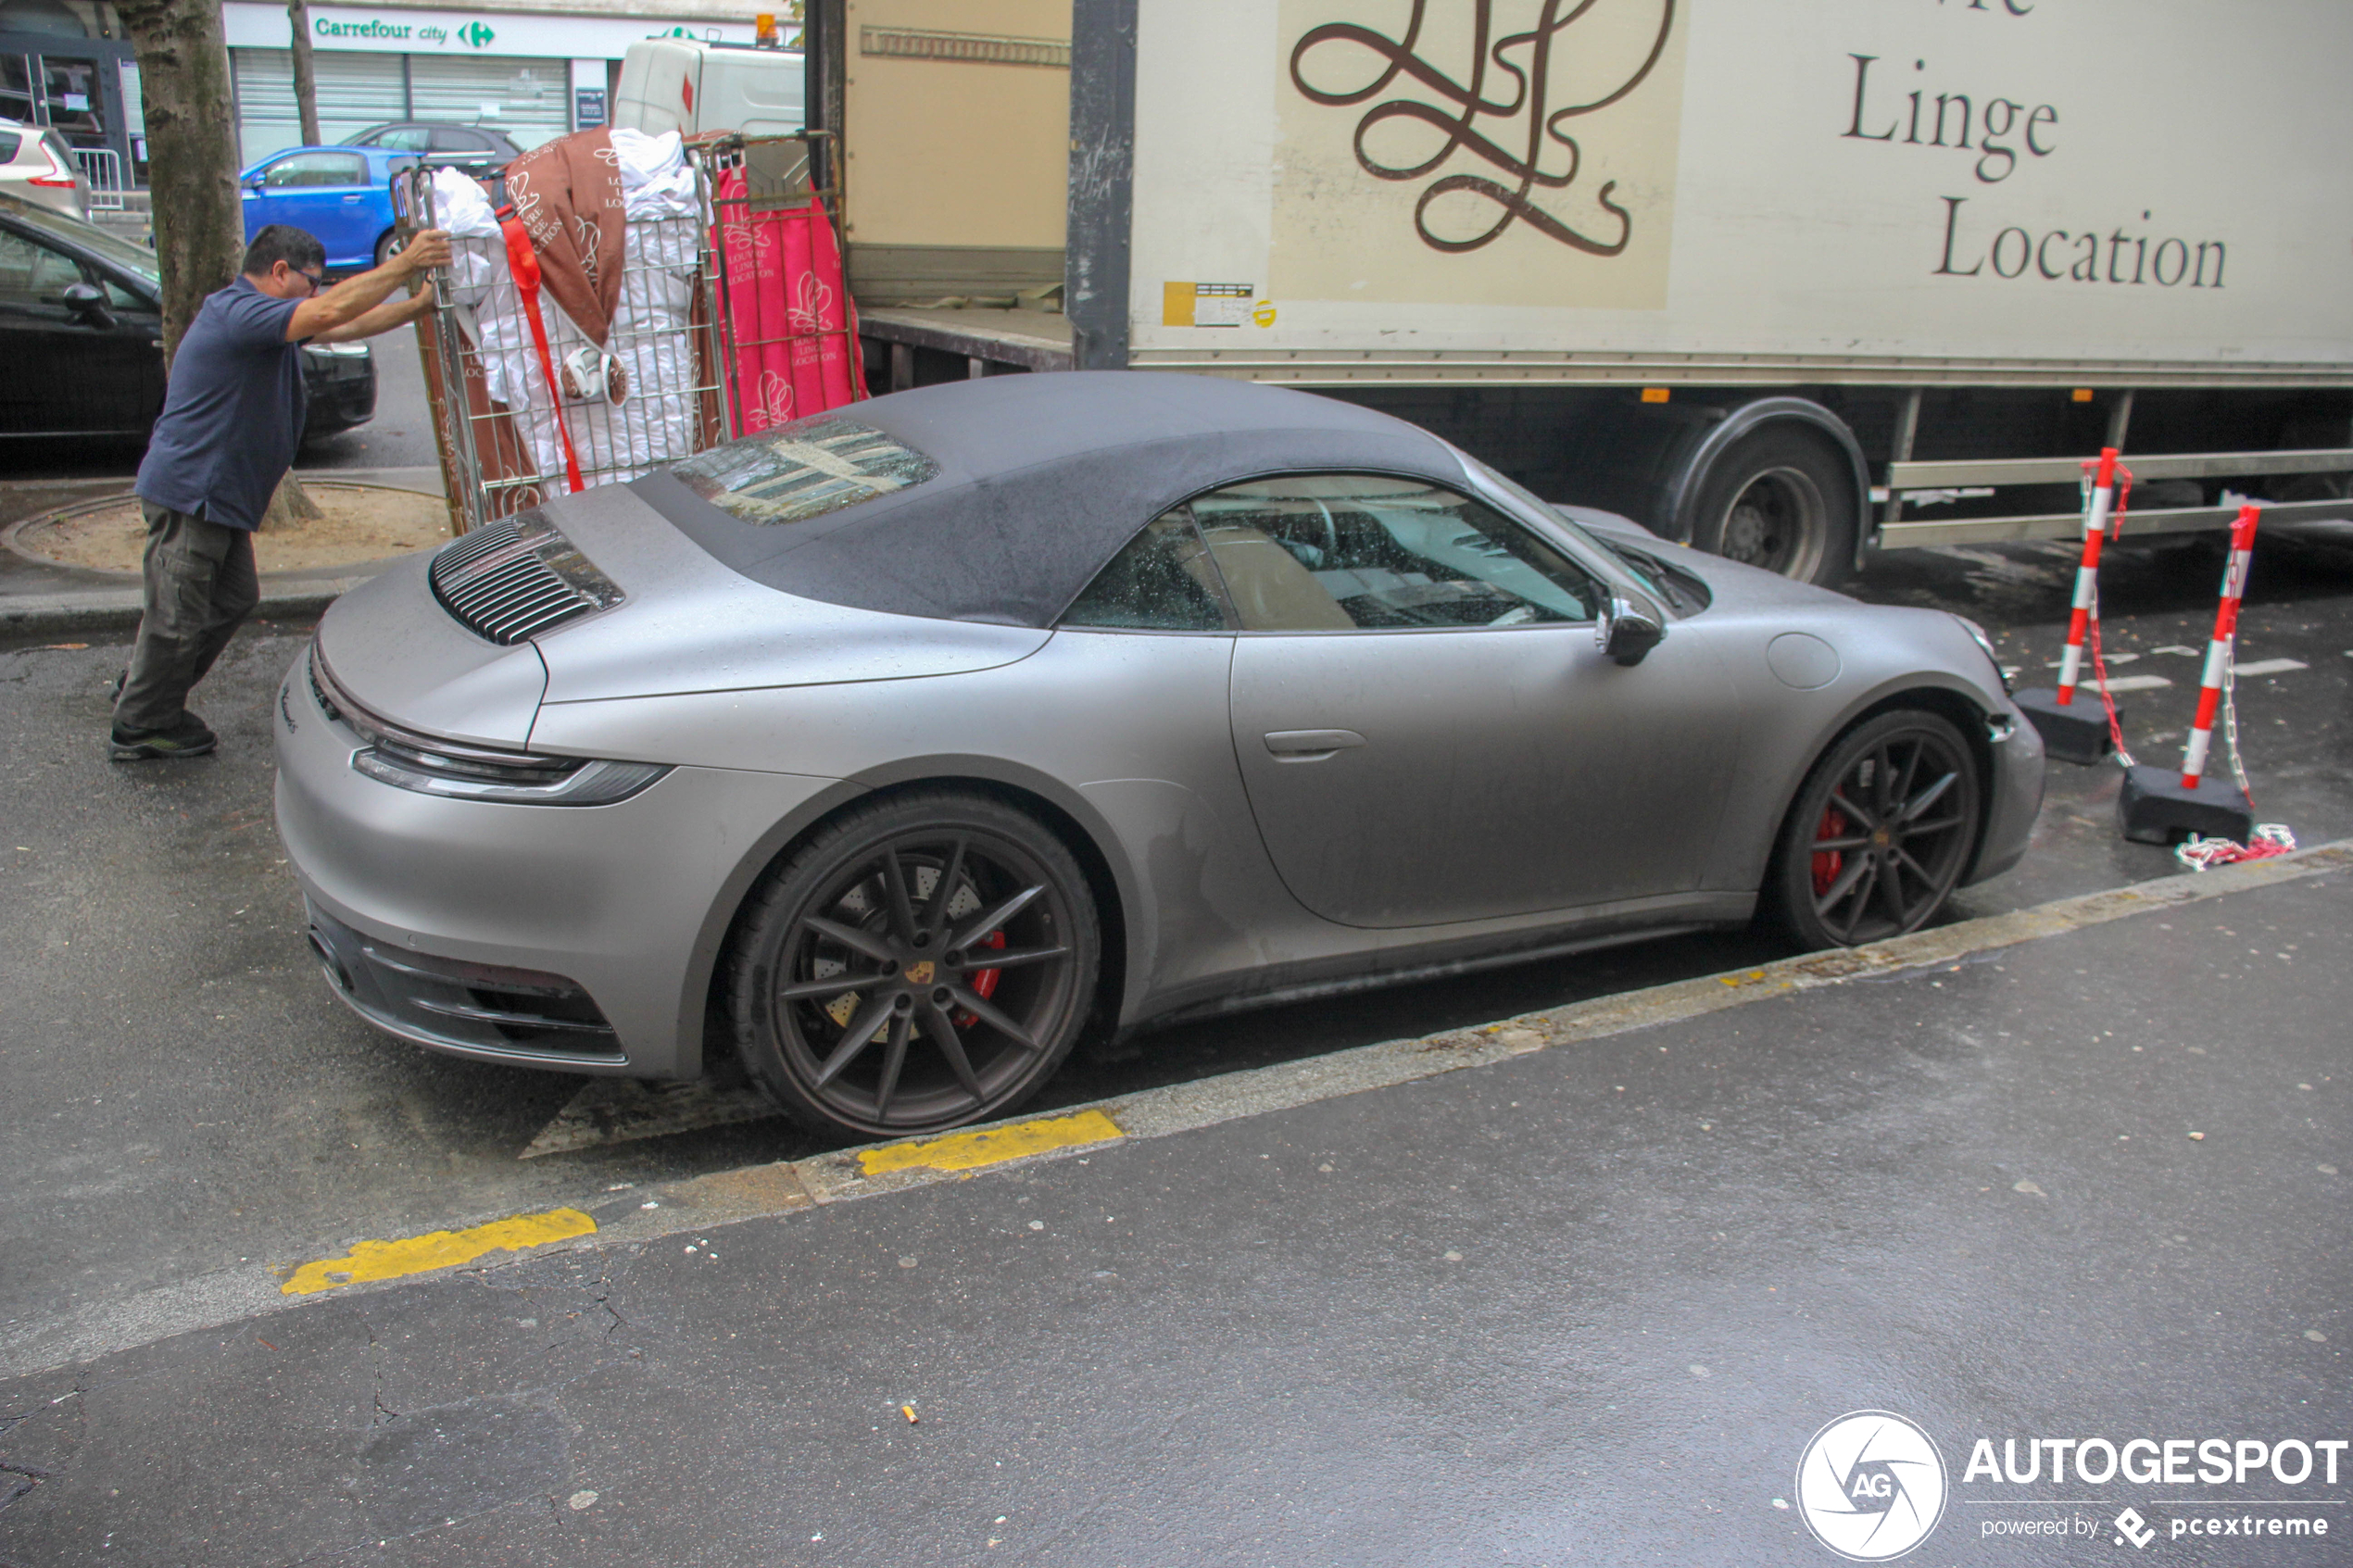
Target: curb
(118,609)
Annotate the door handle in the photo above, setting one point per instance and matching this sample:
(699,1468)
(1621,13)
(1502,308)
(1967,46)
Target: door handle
(1310,745)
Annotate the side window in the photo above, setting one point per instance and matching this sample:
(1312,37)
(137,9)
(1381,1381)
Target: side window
(1340,552)
(1161,581)
(305,169)
(447,139)
(31,273)
(403,139)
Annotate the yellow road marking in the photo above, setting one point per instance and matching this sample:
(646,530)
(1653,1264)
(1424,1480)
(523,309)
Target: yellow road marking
(993,1146)
(436,1249)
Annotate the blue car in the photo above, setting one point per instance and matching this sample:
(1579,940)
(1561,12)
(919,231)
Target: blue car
(342,195)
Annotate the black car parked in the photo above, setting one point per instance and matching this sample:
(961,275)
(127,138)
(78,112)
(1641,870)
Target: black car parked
(439,140)
(81,336)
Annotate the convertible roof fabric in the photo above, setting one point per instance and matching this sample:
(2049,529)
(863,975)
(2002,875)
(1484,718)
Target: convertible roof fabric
(1042,479)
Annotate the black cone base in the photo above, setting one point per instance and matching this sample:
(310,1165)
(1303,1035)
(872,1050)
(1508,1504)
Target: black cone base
(2154,809)
(2077,733)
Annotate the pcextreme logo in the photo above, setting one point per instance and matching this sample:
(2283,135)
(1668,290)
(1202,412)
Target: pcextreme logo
(1870,1485)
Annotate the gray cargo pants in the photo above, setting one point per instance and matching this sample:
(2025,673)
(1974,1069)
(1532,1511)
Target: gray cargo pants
(200,583)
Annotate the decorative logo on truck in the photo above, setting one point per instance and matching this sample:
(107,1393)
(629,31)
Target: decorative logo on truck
(1509,106)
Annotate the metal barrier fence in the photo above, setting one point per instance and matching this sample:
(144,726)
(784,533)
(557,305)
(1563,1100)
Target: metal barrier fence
(102,167)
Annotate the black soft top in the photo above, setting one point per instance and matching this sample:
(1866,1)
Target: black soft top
(1040,479)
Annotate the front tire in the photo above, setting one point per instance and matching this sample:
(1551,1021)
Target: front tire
(387,246)
(1783,501)
(919,963)
(1880,832)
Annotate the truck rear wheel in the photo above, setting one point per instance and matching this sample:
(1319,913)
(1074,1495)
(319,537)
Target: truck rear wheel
(1783,501)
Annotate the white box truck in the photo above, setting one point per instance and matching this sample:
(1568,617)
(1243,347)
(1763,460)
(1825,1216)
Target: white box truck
(1781,280)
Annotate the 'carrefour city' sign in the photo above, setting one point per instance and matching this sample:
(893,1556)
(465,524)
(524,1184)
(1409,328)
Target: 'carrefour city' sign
(262,24)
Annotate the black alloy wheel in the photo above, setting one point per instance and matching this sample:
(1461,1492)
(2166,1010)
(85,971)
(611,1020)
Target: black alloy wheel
(920,964)
(1882,832)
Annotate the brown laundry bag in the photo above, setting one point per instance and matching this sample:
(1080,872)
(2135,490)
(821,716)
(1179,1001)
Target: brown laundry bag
(567,192)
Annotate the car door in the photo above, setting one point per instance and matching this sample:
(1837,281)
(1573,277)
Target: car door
(92,368)
(325,191)
(1426,726)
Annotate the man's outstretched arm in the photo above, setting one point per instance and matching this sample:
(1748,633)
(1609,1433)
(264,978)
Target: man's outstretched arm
(383,318)
(349,302)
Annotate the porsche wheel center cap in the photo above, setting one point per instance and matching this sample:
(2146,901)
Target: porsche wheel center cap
(920,974)
(1881,838)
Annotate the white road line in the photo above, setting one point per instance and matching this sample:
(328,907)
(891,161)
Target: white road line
(2270,667)
(2137,682)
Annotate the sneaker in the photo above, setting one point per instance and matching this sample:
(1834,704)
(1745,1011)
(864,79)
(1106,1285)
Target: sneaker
(115,694)
(189,737)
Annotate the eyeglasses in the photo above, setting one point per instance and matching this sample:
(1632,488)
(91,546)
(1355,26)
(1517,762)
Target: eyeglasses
(316,280)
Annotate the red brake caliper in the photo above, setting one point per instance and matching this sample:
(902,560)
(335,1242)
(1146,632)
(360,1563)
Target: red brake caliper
(983,982)
(1828,861)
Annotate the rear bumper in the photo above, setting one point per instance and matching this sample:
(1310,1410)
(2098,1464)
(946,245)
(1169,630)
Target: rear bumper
(338,397)
(508,933)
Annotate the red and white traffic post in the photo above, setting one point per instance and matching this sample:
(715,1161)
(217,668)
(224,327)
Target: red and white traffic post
(2096,516)
(2070,734)
(2218,651)
(2157,806)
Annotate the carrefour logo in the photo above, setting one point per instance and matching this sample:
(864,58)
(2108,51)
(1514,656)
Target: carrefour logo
(475,35)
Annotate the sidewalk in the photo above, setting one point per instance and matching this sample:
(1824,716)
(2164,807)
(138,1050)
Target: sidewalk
(1583,1304)
(41,600)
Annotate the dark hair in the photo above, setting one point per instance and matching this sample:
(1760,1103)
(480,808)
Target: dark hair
(297,248)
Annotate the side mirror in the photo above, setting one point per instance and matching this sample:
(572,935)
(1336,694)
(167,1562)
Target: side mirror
(1628,630)
(252,182)
(89,302)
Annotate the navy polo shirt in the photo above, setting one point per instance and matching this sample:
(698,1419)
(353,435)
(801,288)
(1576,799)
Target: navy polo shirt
(233,412)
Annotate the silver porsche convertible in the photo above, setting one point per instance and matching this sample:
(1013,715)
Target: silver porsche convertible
(893,751)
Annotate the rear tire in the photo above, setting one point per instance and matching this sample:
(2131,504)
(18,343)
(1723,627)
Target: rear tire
(1783,501)
(1879,834)
(919,963)
(387,247)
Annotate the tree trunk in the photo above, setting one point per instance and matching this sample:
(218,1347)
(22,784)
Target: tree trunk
(290,505)
(306,85)
(192,172)
(192,151)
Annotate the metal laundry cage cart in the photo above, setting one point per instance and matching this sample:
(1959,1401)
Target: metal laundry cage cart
(524,410)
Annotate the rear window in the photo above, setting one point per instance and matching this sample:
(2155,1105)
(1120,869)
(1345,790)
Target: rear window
(9,141)
(803,469)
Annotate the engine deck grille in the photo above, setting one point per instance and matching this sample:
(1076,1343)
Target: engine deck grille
(514,579)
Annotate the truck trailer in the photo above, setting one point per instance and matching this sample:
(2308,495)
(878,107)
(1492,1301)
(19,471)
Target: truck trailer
(1783,282)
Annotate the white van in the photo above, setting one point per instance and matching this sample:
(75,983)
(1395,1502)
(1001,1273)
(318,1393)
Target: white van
(677,84)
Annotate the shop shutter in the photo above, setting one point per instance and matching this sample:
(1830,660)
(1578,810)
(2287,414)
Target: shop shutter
(355,90)
(527,99)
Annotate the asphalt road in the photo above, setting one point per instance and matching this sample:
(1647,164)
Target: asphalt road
(1587,1305)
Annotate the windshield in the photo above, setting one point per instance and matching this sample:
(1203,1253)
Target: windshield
(1641,567)
(137,260)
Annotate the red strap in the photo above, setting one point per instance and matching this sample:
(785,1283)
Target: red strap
(524,262)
